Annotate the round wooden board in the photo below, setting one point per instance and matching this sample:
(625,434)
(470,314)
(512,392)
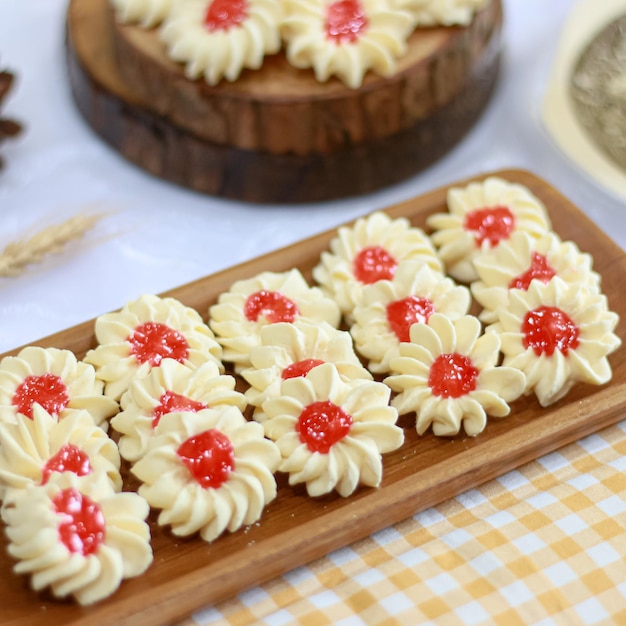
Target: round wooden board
(405,123)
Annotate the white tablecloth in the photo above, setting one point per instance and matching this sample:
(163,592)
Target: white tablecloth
(158,236)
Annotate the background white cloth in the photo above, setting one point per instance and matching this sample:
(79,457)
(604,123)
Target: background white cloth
(159,236)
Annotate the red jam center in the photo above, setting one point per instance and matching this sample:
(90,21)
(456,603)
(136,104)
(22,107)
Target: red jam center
(209,457)
(225,14)
(152,342)
(372,264)
(272,304)
(452,376)
(47,390)
(346,21)
(69,458)
(83,527)
(491,224)
(539,269)
(321,425)
(301,368)
(402,314)
(170,402)
(547,329)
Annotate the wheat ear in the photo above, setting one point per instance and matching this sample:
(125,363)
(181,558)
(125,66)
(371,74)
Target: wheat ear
(18,255)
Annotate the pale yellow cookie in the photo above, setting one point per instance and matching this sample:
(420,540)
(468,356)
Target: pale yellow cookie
(480,216)
(389,308)
(208,472)
(169,388)
(217,40)
(290,350)
(78,538)
(332,433)
(54,381)
(559,334)
(368,251)
(267,298)
(145,331)
(448,375)
(345,38)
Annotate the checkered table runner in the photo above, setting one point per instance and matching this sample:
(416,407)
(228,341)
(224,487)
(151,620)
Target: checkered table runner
(544,544)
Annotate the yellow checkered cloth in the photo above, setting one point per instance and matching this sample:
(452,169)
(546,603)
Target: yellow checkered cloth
(544,544)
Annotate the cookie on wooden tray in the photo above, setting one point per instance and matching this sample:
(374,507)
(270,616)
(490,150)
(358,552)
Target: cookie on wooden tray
(208,472)
(172,387)
(448,375)
(388,309)
(332,433)
(522,259)
(480,216)
(559,334)
(145,331)
(80,539)
(267,298)
(367,251)
(34,448)
(54,381)
(291,350)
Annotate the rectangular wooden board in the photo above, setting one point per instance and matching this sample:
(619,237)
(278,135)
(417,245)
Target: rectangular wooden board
(188,574)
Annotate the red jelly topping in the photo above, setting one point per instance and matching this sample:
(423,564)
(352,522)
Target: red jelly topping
(272,304)
(301,368)
(83,527)
(452,376)
(170,402)
(209,456)
(69,458)
(321,425)
(547,329)
(374,263)
(152,342)
(539,269)
(402,314)
(491,224)
(47,390)
(345,21)
(225,14)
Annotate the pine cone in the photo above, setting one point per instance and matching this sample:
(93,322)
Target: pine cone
(8,128)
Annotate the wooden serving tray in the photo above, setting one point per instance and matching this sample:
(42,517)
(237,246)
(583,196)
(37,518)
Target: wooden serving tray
(190,574)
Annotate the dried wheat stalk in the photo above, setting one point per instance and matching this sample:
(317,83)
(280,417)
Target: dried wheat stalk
(18,255)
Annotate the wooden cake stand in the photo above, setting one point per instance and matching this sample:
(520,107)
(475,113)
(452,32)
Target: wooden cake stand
(276,135)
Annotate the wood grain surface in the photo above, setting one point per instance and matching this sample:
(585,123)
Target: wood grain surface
(280,109)
(189,574)
(277,135)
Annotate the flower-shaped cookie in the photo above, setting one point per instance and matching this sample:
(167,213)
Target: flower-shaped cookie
(368,251)
(146,13)
(80,538)
(514,263)
(145,331)
(32,449)
(54,381)
(208,472)
(331,433)
(447,375)
(169,388)
(480,216)
(267,298)
(217,39)
(345,38)
(436,12)
(558,334)
(290,350)
(390,307)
